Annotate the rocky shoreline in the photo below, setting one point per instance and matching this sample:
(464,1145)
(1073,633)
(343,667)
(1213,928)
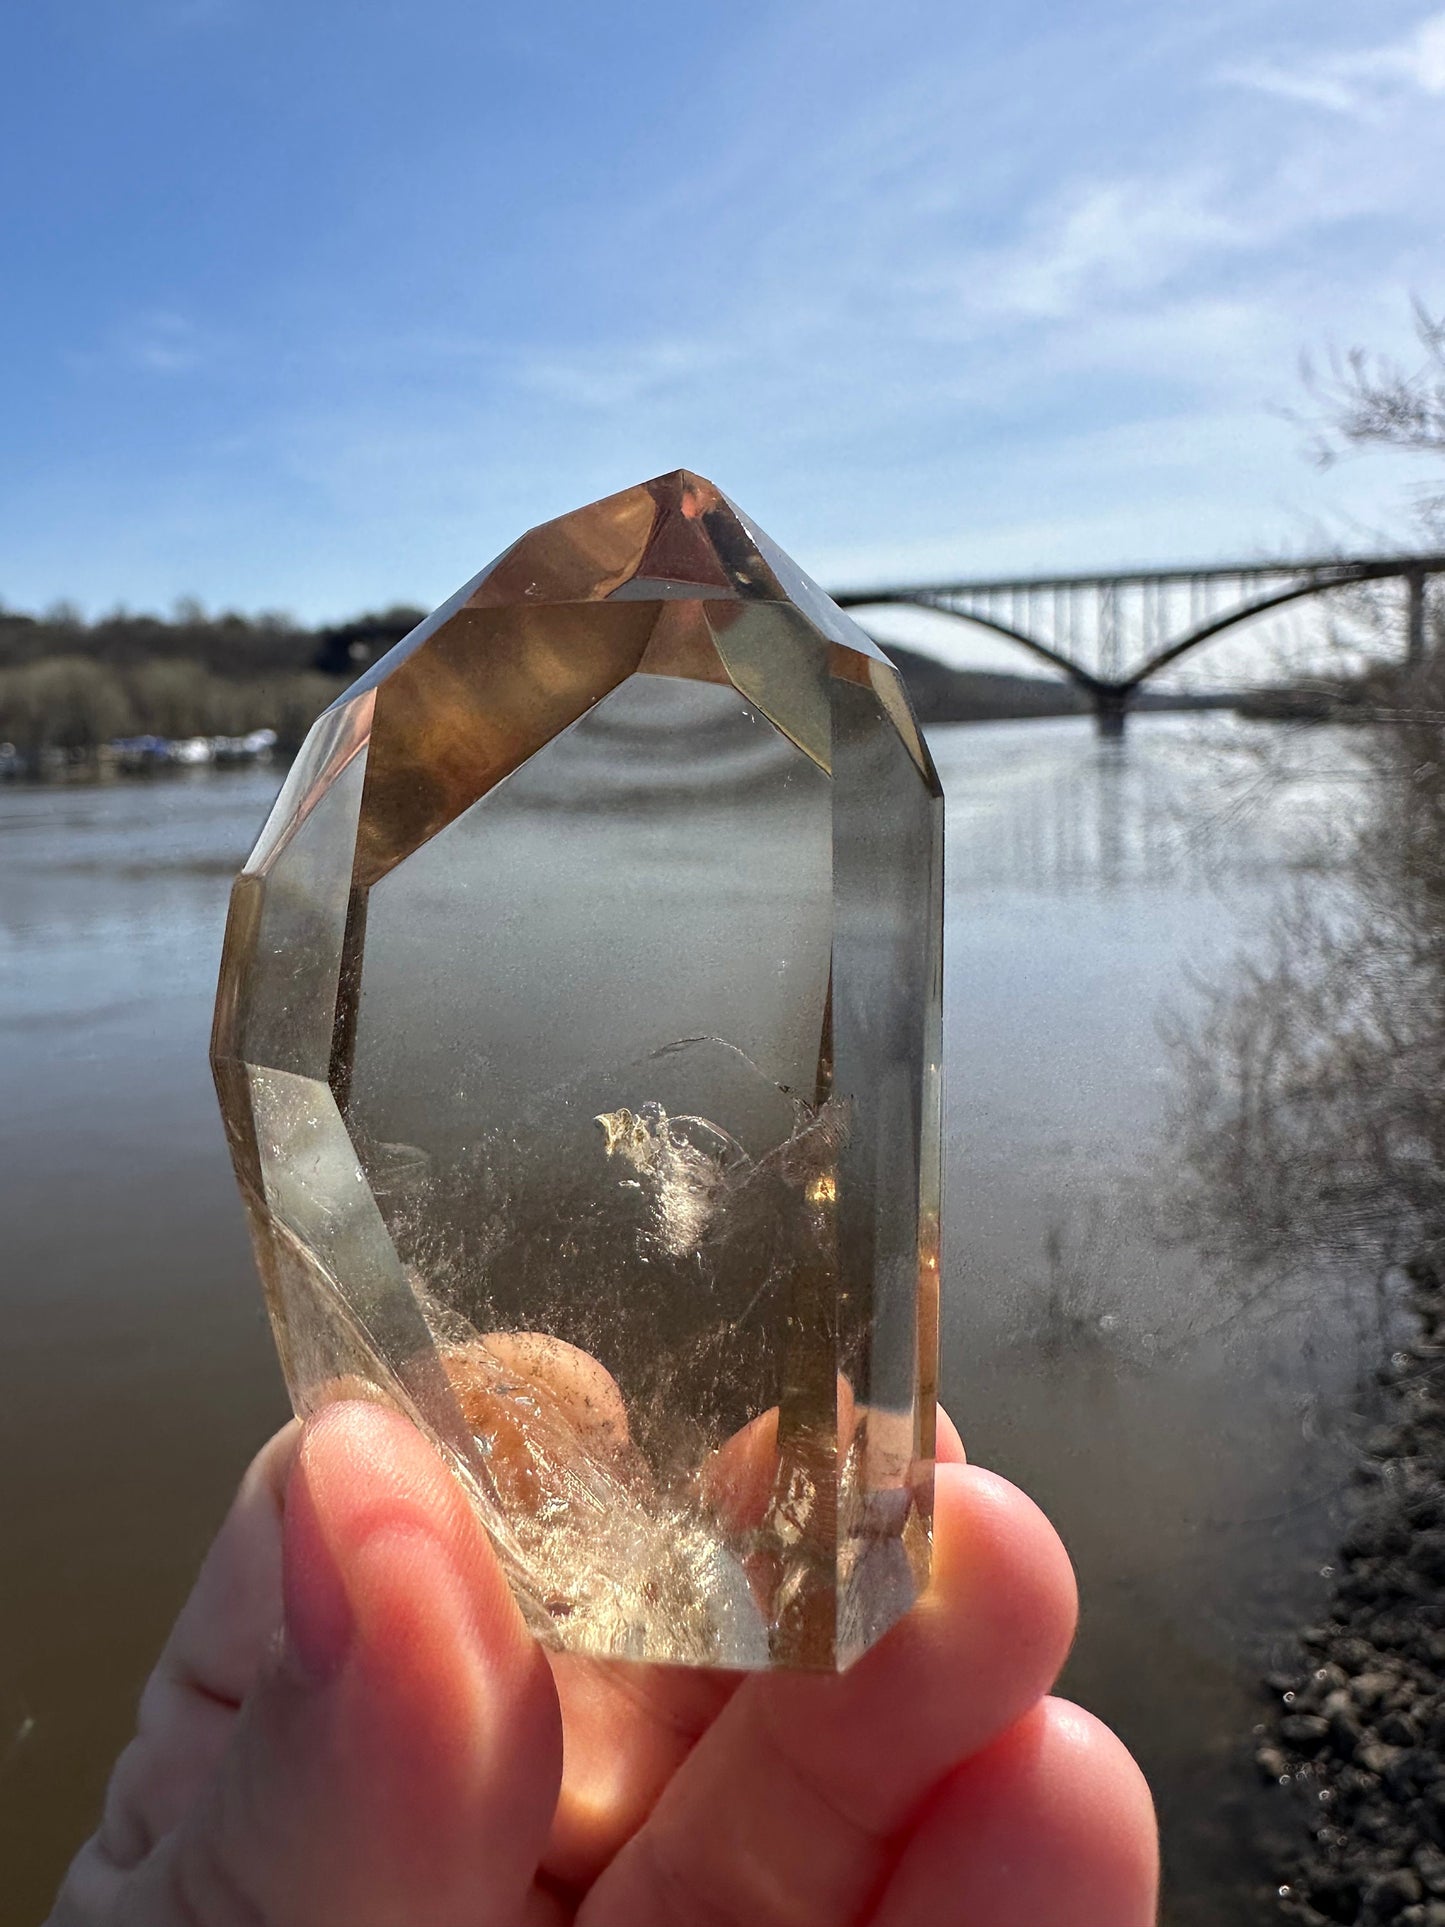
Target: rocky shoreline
(1356,1735)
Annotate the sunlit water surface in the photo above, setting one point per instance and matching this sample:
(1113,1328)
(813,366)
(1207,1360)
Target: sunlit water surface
(1192,1453)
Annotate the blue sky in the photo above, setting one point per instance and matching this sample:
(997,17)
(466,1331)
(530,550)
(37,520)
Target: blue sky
(314,307)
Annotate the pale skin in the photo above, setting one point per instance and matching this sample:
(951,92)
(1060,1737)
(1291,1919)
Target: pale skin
(351,1727)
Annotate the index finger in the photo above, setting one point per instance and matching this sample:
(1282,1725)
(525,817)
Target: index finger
(629,1728)
(842,1763)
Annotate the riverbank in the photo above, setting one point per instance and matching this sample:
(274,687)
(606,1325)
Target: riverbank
(1356,1736)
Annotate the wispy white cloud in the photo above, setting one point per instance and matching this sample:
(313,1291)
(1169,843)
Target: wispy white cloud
(158,341)
(1360,81)
(600,378)
(1105,241)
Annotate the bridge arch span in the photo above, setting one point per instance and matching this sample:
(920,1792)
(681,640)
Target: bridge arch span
(1075,671)
(1232,619)
(1091,608)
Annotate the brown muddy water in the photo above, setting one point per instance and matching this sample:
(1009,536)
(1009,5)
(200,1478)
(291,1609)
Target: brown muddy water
(1192,1450)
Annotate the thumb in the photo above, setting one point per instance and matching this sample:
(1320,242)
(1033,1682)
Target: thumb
(399,1765)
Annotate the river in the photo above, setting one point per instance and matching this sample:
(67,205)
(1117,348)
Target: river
(1190,1451)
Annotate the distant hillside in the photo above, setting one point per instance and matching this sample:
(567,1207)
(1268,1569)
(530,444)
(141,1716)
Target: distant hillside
(944,695)
(229,645)
(68,686)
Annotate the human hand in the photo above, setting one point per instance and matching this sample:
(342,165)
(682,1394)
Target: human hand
(404,1755)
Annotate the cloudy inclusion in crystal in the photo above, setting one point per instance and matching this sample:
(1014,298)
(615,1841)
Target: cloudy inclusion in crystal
(578,1045)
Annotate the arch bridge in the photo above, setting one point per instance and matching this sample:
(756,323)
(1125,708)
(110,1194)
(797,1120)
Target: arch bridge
(1109,634)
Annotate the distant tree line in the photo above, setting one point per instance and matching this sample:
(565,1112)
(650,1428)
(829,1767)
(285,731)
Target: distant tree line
(70,685)
(229,645)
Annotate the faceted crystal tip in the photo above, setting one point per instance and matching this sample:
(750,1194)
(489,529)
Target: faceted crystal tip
(578,1043)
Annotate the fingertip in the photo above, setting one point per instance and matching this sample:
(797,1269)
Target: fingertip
(1099,1797)
(403,1759)
(413,1721)
(349,1456)
(346,1444)
(270,1471)
(366,1494)
(1053,1821)
(948,1449)
(360,1467)
(981,1647)
(1001,1570)
(317,1616)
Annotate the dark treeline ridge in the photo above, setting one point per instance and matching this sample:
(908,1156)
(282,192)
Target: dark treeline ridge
(230,645)
(68,685)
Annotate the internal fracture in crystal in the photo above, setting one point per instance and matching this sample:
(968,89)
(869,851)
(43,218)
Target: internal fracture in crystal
(578,1045)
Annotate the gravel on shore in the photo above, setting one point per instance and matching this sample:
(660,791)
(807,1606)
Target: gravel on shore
(1357,1733)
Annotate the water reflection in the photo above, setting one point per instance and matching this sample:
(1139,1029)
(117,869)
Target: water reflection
(1187,803)
(1184,1436)
(1181,1418)
(1308,1126)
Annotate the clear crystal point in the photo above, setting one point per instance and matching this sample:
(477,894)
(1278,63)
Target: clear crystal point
(578,1045)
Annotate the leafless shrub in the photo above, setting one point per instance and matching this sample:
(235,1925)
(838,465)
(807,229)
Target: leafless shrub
(1311,1101)
(1368,400)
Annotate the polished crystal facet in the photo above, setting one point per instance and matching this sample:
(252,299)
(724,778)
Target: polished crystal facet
(578,1040)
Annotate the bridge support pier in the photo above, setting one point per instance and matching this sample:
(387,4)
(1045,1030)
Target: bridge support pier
(1111,707)
(1415,618)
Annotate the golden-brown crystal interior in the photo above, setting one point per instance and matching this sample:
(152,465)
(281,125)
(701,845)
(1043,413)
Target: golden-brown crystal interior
(578,1039)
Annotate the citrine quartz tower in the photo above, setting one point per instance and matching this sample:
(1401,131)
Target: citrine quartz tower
(578,1044)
